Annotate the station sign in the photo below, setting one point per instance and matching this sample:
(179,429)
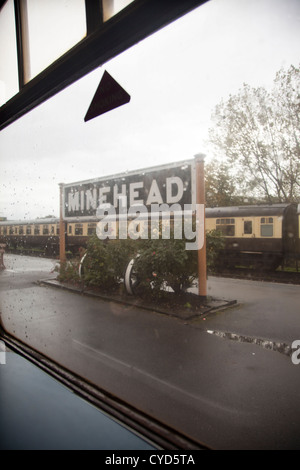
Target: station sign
(172,184)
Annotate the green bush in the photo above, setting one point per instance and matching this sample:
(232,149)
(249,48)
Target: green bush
(160,263)
(215,243)
(68,271)
(105,262)
(164,263)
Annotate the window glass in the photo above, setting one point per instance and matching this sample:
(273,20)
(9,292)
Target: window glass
(248,227)
(177,364)
(226,227)
(53,27)
(78,229)
(266,229)
(9,84)
(91,228)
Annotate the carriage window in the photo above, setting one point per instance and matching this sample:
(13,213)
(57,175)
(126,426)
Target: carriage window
(78,229)
(36,230)
(28,230)
(248,227)
(226,227)
(266,227)
(91,229)
(21,230)
(45,230)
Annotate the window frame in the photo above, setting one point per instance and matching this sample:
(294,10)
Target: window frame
(247,231)
(137,21)
(78,230)
(266,223)
(225,226)
(45,229)
(104,41)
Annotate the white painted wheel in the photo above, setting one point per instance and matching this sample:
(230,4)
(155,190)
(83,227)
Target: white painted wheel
(131,281)
(81,267)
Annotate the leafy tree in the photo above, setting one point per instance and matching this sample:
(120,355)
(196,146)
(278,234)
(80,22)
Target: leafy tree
(220,185)
(259,133)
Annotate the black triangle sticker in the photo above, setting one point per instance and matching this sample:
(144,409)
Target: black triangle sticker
(109,95)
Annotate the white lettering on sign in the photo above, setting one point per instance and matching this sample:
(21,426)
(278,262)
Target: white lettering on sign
(159,185)
(103,194)
(118,194)
(134,193)
(154,194)
(73,202)
(171,199)
(91,199)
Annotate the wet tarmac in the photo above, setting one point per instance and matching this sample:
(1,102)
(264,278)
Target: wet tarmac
(227,391)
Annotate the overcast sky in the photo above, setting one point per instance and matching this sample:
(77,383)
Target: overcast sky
(175,79)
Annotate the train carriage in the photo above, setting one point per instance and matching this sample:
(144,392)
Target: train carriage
(260,236)
(40,235)
(78,231)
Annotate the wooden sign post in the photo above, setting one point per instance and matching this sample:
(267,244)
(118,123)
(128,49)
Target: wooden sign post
(200,199)
(2,251)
